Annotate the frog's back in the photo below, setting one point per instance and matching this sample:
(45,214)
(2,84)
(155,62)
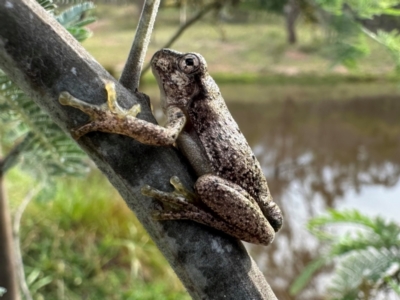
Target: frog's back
(226,148)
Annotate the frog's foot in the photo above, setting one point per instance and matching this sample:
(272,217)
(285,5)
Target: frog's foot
(185,205)
(181,206)
(181,190)
(179,198)
(102,117)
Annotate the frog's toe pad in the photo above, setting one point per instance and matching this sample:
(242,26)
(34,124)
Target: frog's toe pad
(64,98)
(147,190)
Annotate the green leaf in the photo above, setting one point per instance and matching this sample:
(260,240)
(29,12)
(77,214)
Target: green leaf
(33,275)
(74,14)
(306,275)
(41,283)
(75,18)
(80,34)
(395,286)
(48,5)
(362,270)
(366,255)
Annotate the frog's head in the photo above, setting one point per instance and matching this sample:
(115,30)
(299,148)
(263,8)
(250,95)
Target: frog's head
(180,76)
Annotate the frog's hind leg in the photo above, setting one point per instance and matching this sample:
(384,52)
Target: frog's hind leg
(236,207)
(181,209)
(185,205)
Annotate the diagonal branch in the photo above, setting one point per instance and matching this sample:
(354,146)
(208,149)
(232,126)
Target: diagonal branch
(13,156)
(43,59)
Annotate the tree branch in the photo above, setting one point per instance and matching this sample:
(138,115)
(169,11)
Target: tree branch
(214,5)
(130,77)
(44,60)
(12,157)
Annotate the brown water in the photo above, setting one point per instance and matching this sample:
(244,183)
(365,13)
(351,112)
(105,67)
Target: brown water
(319,154)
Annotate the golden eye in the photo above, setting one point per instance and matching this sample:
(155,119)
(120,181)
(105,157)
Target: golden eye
(189,63)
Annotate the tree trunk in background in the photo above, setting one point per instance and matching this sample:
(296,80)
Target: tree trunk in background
(292,11)
(8,278)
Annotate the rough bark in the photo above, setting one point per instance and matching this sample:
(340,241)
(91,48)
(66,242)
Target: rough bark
(44,60)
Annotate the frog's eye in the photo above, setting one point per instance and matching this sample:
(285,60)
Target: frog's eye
(189,63)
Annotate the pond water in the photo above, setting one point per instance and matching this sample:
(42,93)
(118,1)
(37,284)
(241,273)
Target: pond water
(319,149)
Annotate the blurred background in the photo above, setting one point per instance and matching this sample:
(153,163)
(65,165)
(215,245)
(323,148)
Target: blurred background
(314,87)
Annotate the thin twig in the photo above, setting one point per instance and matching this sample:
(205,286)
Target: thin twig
(130,77)
(19,263)
(181,29)
(12,157)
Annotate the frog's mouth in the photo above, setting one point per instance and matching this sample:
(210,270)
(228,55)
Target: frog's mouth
(163,97)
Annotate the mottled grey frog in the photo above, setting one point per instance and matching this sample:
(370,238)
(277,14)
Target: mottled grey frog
(231,192)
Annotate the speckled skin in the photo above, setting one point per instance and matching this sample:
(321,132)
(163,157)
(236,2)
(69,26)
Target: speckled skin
(231,182)
(232,194)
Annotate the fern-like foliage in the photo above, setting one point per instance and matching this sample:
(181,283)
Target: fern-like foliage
(391,41)
(347,43)
(361,274)
(74,20)
(367,259)
(48,5)
(347,35)
(363,8)
(46,150)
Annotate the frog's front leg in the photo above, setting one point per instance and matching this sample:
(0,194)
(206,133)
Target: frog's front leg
(112,118)
(222,205)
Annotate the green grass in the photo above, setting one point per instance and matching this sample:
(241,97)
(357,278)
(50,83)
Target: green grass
(254,51)
(84,243)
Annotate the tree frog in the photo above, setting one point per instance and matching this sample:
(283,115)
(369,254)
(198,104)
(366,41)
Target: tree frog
(231,192)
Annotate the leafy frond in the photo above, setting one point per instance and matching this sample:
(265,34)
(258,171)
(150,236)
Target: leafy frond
(363,8)
(73,15)
(376,232)
(364,256)
(359,274)
(47,151)
(394,285)
(346,216)
(306,275)
(391,41)
(347,42)
(48,5)
(75,18)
